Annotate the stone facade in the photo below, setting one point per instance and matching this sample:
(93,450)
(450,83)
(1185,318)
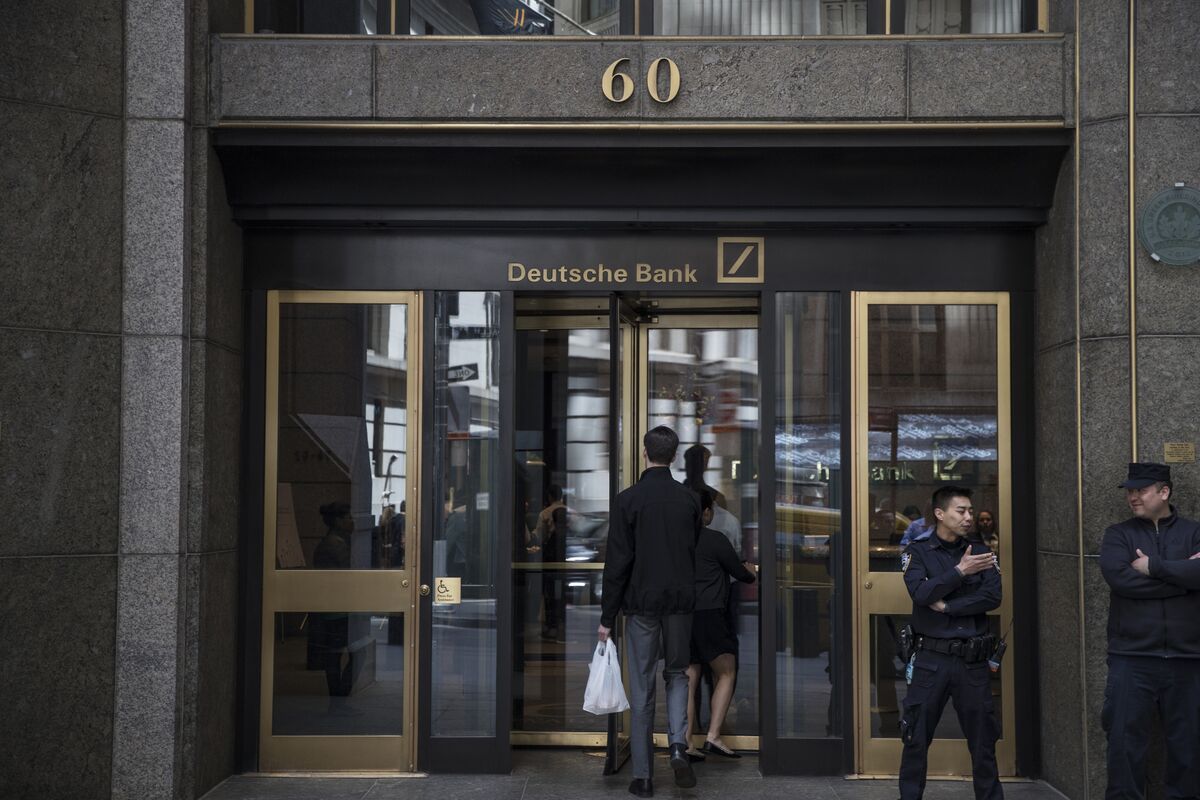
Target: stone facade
(119,406)
(121,402)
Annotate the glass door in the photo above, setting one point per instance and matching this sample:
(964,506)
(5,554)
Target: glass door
(592,374)
(562,485)
(699,376)
(931,397)
(340,538)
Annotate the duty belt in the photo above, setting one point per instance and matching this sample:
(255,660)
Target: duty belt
(973,650)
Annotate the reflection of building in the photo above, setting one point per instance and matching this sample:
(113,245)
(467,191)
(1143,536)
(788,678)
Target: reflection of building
(165,172)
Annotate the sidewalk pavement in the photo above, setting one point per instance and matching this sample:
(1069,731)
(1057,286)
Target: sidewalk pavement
(571,774)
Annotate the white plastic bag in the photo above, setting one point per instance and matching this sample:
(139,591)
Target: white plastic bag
(604,693)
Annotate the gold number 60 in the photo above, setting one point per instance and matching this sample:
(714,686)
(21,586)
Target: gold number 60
(611,75)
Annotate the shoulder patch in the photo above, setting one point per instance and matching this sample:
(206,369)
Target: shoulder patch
(905,560)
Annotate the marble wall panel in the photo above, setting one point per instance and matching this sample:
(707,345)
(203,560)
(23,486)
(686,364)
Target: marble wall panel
(1104,229)
(217,670)
(214,447)
(60,235)
(1061,679)
(155,58)
(145,722)
(303,78)
(58,626)
(780,80)
(1168,412)
(1168,151)
(1056,451)
(1168,61)
(1095,593)
(59,452)
(152,458)
(155,227)
(1055,243)
(1104,59)
(64,53)
(986,80)
(1107,435)
(411,80)
(216,252)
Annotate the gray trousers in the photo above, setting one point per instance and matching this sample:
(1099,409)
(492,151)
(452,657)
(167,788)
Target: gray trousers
(647,639)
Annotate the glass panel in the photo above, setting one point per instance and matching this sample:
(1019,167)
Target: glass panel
(932,420)
(515,17)
(949,17)
(703,384)
(808,515)
(467,483)
(322,16)
(760,17)
(342,460)
(561,483)
(888,687)
(338,674)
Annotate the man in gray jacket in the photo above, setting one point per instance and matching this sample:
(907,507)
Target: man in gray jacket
(649,573)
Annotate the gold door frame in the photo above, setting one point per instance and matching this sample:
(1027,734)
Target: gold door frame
(709,321)
(884,592)
(568,314)
(341,590)
(633,363)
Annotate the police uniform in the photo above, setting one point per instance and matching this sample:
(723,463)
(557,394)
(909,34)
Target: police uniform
(952,648)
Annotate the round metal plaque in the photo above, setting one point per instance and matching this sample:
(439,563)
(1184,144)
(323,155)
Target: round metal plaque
(1170,226)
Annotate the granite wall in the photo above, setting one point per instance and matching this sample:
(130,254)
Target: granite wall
(119,404)
(1085,363)
(418,79)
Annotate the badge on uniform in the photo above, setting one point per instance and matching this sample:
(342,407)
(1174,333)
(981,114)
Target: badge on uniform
(905,560)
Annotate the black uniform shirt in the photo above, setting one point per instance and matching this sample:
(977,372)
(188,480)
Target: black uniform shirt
(930,575)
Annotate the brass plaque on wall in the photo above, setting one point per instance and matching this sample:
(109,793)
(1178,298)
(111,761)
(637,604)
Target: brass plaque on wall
(1179,452)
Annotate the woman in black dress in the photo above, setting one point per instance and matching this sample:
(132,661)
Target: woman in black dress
(713,639)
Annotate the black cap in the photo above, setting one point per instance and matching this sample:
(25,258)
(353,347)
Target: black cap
(1142,474)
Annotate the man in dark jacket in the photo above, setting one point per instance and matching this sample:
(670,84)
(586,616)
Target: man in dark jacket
(953,584)
(1152,564)
(649,573)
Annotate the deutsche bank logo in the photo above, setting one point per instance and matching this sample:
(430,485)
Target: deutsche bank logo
(740,259)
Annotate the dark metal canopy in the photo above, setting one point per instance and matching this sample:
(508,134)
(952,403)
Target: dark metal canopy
(887,178)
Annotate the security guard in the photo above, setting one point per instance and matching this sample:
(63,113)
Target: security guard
(953,584)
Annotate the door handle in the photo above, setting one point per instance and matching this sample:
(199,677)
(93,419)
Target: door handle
(424,590)
(868,585)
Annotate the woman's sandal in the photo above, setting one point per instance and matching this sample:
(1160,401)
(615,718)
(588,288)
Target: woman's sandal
(717,750)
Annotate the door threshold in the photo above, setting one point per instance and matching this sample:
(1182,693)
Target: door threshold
(339,774)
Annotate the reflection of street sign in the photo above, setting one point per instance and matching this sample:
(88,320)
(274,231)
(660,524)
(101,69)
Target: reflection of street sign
(447,591)
(463,372)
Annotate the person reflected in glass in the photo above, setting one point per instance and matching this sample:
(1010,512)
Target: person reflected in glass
(713,639)
(333,551)
(329,632)
(985,526)
(550,535)
(456,536)
(695,464)
(920,527)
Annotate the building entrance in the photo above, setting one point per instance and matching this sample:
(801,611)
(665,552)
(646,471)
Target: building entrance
(339,579)
(591,377)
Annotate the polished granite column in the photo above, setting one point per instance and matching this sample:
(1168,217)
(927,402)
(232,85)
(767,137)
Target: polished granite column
(60,258)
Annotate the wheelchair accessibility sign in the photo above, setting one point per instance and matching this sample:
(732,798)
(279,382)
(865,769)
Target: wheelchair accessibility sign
(447,591)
